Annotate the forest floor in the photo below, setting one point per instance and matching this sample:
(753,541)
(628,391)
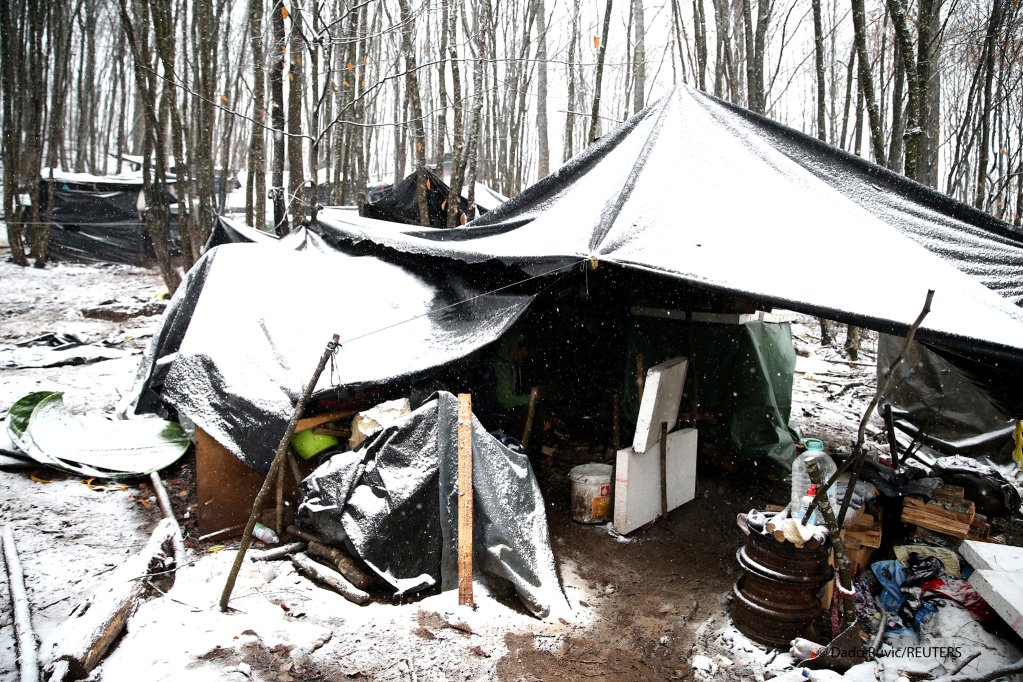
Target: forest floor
(637,603)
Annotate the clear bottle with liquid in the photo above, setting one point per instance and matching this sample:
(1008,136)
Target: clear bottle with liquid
(801,479)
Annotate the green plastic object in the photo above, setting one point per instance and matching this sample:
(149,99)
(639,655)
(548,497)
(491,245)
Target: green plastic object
(308,444)
(814,444)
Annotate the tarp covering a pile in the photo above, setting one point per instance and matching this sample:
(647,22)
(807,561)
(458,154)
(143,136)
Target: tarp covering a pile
(244,331)
(699,191)
(395,505)
(96,220)
(401,204)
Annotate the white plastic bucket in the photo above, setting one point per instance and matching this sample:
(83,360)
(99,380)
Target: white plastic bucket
(591,492)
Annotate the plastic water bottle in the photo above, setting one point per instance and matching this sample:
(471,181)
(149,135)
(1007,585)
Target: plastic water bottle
(804,504)
(801,479)
(261,532)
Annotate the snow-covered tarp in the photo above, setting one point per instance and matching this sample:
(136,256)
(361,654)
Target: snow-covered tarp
(699,191)
(244,331)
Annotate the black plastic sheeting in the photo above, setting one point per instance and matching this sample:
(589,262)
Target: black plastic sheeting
(395,505)
(227,230)
(100,223)
(243,333)
(708,194)
(944,406)
(401,204)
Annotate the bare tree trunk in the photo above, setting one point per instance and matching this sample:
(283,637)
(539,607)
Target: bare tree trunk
(476,123)
(929,81)
(154,146)
(280,43)
(412,87)
(822,124)
(985,114)
(255,197)
(895,146)
(543,150)
(700,31)
(296,170)
(573,43)
(12,98)
(595,115)
(442,89)
(913,133)
(639,56)
(458,156)
(866,80)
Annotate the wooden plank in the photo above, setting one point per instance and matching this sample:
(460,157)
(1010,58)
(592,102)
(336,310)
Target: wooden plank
(936,518)
(95,623)
(28,657)
(313,422)
(465,501)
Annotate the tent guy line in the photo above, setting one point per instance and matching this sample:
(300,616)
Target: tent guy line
(566,268)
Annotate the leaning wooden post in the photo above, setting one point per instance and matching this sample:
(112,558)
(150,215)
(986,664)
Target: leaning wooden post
(845,584)
(271,475)
(534,395)
(28,657)
(465,499)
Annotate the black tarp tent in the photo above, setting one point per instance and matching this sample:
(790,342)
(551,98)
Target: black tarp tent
(97,219)
(706,193)
(401,203)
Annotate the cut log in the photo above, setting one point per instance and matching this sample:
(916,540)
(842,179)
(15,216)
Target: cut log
(96,622)
(28,658)
(276,553)
(344,563)
(178,542)
(329,578)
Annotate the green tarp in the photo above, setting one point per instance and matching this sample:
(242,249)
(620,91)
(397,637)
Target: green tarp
(741,375)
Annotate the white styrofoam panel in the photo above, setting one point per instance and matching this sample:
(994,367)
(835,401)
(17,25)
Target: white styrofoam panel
(662,394)
(638,480)
(1003,590)
(990,555)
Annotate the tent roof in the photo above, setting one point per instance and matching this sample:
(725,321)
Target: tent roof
(700,191)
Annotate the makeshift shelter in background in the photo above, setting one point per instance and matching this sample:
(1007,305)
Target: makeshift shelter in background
(98,219)
(401,204)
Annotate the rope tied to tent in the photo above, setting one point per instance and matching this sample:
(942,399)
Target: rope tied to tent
(333,346)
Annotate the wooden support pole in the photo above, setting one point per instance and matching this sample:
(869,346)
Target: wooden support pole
(28,657)
(177,541)
(465,501)
(534,396)
(664,468)
(279,507)
(845,577)
(271,475)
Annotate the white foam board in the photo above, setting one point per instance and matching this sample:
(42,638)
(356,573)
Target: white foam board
(638,480)
(662,394)
(1003,590)
(983,555)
